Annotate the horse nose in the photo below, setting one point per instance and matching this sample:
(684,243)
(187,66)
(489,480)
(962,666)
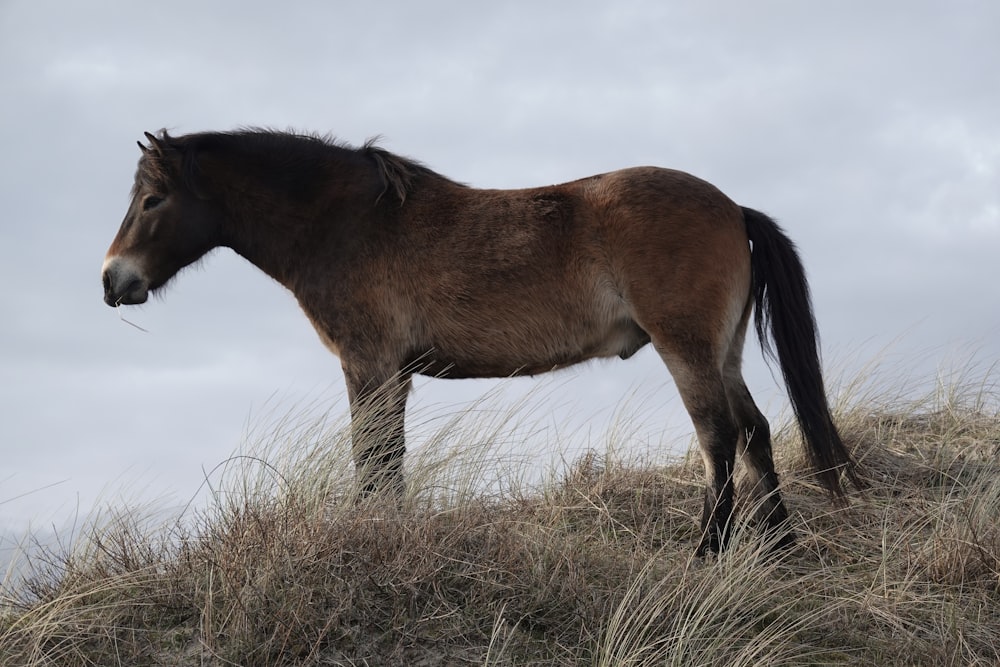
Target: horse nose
(106,279)
(124,282)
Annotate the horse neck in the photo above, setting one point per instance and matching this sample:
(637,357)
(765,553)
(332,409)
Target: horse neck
(277,223)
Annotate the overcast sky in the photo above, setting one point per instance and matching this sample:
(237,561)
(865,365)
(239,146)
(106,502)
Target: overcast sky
(870,130)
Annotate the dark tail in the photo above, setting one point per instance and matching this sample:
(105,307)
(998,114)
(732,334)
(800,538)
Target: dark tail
(781,303)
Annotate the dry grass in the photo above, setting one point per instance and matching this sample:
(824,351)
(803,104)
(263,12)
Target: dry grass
(595,568)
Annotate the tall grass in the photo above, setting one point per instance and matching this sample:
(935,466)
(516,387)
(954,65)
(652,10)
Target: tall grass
(592,567)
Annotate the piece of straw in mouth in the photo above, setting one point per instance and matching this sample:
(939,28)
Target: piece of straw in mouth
(118,307)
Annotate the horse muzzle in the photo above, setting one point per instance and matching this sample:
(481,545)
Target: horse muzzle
(124,284)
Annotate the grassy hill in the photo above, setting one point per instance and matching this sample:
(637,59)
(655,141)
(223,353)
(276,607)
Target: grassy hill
(594,568)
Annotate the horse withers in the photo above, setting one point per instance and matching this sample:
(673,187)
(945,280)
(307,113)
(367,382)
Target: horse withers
(404,271)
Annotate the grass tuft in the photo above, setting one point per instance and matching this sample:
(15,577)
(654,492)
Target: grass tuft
(592,567)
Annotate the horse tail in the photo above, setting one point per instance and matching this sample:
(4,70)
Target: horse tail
(782,304)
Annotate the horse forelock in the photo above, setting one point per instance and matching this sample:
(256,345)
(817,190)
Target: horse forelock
(151,171)
(155,164)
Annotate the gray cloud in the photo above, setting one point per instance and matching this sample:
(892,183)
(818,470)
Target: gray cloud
(870,131)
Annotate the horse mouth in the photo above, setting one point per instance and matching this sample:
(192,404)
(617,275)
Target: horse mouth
(135,292)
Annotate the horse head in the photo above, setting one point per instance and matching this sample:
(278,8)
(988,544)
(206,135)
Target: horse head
(167,226)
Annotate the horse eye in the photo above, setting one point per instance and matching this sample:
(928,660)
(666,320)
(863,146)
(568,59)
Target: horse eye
(151,202)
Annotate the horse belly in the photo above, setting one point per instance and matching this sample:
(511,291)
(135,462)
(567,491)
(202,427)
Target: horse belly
(530,343)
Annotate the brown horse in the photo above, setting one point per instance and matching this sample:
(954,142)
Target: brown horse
(404,271)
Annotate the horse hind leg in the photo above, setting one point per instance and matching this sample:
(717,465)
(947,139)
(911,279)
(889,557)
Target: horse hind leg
(754,446)
(697,372)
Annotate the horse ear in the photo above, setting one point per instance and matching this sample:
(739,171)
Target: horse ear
(142,147)
(154,142)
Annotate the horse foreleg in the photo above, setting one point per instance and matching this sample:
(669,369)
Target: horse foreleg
(377,434)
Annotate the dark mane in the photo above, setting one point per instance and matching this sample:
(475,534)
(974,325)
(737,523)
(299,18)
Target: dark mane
(397,172)
(293,150)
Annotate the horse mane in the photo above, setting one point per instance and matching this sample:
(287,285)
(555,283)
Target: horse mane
(398,174)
